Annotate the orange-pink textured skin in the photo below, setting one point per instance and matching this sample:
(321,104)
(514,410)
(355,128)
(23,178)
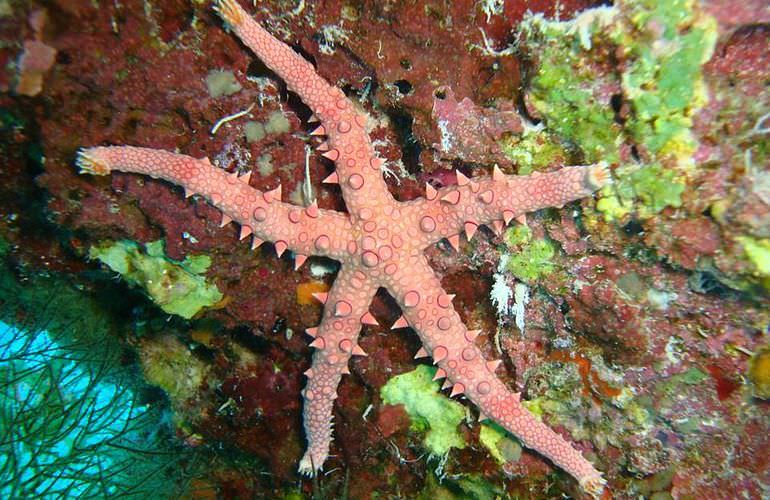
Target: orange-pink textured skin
(379,243)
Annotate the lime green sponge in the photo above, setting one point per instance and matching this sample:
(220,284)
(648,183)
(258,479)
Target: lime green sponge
(428,410)
(176,286)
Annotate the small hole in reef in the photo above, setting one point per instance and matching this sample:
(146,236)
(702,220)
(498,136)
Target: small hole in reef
(616,101)
(258,69)
(305,54)
(63,58)
(440,94)
(403,86)
(406,64)
(633,228)
(301,109)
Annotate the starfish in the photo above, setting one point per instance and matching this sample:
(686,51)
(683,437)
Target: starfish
(379,243)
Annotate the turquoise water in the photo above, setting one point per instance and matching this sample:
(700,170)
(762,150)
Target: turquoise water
(67,428)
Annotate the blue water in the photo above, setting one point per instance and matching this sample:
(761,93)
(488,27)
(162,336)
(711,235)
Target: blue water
(63,426)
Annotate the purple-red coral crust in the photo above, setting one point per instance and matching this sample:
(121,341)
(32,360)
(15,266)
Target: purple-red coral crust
(379,242)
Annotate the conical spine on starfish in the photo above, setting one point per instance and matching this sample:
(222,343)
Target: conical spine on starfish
(348,143)
(346,310)
(466,371)
(262,215)
(498,200)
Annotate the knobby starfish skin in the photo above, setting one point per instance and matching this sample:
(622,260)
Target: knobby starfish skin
(379,243)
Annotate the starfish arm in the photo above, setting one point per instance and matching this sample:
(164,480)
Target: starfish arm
(336,339)
(304,231)
(428,309)
(473,202)
(348,145)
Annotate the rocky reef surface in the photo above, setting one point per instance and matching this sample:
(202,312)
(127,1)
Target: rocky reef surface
(635,322)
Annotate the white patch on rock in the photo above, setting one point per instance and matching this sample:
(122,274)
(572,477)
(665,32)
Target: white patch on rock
(501,293)
(520,301)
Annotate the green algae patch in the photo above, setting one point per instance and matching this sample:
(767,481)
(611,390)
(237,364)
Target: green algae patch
(665,45)
(476,487)
(429,411)
(693,376)
(654,187)
(668,390)
(757,251)
(169,364)
(619,78)
(533,150)
(459,487)
(501,445)
(178,287)
(565,89)
(532,258)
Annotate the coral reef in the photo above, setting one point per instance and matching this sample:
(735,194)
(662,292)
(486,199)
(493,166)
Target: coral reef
(645,320)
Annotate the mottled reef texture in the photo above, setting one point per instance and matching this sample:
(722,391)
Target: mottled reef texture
(646,330)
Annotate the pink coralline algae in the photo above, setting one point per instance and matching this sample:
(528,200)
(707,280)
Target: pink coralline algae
(379,242)
(470,132)
(36,60)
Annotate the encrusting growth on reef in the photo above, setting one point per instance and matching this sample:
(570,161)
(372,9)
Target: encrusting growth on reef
(379,243)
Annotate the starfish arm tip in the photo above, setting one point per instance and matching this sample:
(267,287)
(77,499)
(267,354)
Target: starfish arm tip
(598,175)
(89,161)
(229,11)
(593,484)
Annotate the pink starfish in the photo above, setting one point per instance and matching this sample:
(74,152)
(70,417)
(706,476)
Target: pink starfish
(379,243)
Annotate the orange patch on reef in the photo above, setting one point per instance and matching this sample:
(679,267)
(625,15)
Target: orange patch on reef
(306,290)
(202,336)
(226,300)
(591,380)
